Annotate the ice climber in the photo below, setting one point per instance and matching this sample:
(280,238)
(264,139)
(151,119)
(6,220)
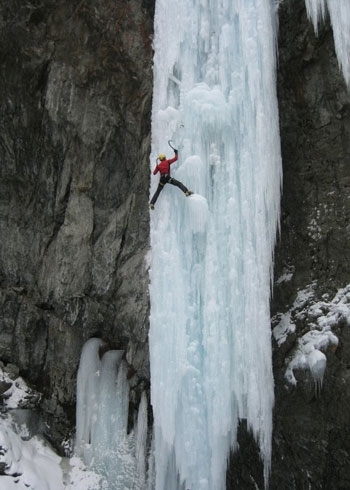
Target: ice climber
(163,167)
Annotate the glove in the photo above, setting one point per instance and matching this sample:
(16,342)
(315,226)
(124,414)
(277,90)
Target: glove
(176,151)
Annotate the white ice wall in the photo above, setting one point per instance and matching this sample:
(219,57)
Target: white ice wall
(215,96)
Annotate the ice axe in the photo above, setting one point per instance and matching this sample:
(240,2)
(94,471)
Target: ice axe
(171,146)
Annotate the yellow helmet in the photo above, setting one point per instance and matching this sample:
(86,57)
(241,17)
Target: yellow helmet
(161,156)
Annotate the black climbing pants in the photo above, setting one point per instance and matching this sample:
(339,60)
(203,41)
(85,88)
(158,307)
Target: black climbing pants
(166,179)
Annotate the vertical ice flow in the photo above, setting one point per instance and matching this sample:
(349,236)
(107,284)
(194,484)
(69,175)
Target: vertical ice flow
(102,438)
(215,97)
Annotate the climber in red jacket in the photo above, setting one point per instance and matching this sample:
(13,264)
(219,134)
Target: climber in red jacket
(163,167)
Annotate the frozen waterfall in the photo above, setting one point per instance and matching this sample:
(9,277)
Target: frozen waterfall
(102,440)
(210,335)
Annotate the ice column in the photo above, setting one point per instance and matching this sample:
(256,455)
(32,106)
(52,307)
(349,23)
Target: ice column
(210,347)
(102,439)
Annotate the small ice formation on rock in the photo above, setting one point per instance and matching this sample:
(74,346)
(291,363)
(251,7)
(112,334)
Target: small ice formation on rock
(320,317)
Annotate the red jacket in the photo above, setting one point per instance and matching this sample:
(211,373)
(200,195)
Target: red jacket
(164,166)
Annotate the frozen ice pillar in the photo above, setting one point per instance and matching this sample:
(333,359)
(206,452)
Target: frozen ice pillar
(102,438)
(210,334)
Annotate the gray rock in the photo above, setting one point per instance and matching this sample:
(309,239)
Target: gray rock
(74,147)
(12,371)
(311,432)
(4,386)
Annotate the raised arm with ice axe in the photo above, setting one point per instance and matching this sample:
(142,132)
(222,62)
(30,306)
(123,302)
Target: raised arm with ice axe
(163,167)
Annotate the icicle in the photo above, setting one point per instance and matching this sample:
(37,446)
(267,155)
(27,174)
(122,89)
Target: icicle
(339,12)
(316,10)
(317,362)
(141,442)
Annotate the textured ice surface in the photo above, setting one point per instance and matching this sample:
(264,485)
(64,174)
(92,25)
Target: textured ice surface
(210,347)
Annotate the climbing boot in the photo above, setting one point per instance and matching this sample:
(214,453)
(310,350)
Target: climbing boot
(189,193)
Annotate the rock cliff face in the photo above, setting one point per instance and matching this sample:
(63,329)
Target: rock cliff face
(75,102)
(76,88)
(312,430)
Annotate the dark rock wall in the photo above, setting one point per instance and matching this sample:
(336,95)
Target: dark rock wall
(315,137)
(312,433)
(75,101)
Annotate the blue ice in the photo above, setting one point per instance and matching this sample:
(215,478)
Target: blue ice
(210,348)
